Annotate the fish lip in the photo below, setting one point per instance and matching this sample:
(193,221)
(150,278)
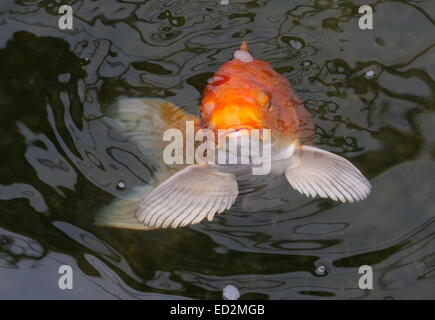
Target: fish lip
(239,128)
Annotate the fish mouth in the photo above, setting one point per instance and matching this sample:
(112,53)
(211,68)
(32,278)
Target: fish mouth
(239,131)
(242,131)
(234,132)
(239,127)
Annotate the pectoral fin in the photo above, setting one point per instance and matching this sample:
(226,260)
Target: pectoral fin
(322,173)
(189,196)
(143,121)
(121,212)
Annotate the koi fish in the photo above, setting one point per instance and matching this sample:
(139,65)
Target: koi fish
(245,94)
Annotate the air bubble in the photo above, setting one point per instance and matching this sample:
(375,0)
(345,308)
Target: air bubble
(231,292)
(120,186)
(296,44)
(321,270)
(370,74)
(64,77)
(332,107)
(86,61)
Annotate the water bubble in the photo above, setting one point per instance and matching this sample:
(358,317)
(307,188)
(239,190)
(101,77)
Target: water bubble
(332,107)
(86,60)
(321,270)
(370,74)
(296,44)
(120,186)
(225,2)
(231,292)
(64,77)
(306,63)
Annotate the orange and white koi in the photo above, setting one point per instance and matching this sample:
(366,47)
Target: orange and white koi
(244,94)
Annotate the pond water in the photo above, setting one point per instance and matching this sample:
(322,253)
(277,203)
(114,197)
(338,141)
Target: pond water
(372,97)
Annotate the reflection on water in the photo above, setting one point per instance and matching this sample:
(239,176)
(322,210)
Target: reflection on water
(372,97)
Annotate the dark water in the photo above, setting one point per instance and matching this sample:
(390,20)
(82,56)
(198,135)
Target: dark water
(60,163)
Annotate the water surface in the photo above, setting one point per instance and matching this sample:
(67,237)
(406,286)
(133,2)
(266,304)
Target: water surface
(372,97)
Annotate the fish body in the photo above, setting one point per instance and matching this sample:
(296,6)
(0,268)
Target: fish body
(243,97)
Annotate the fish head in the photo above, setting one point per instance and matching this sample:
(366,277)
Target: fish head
(239,117)
(247,98)
(240,97)
(236,108)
